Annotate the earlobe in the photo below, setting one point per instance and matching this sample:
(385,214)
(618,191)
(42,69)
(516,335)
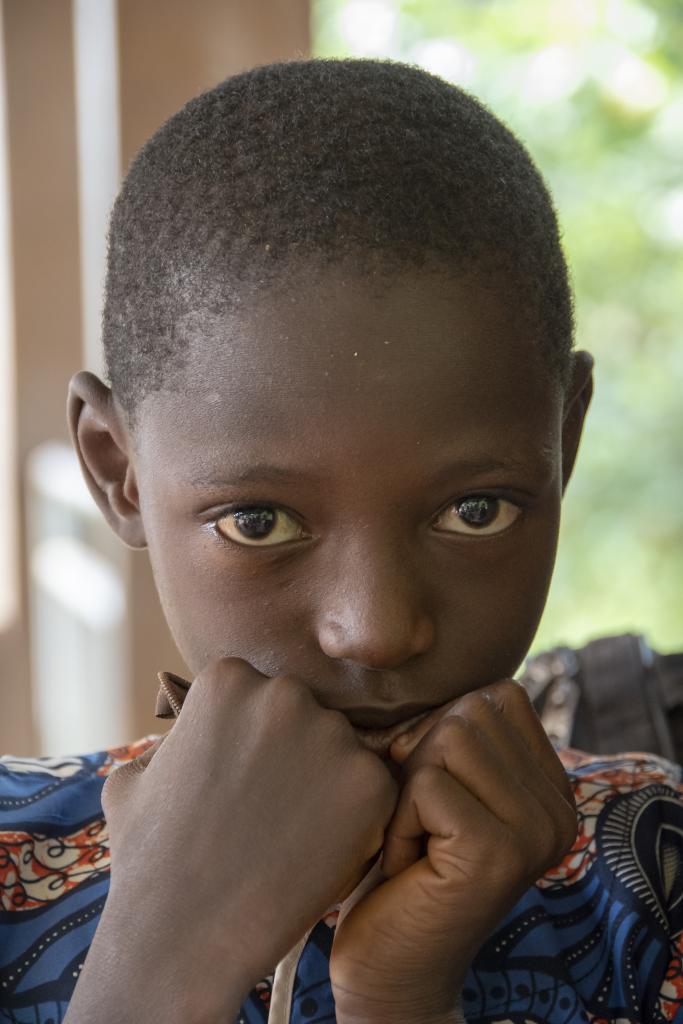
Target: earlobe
(576,406)
(102,443)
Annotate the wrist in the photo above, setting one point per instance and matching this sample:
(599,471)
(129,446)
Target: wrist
(373,1017)
(139,979)
(407,1011)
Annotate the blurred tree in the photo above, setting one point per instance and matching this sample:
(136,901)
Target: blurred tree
(594,88)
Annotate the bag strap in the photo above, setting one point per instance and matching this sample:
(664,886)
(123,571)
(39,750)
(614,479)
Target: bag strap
(611,696)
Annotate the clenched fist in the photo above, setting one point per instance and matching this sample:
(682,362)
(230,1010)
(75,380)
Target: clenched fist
(230,837)
(485,808)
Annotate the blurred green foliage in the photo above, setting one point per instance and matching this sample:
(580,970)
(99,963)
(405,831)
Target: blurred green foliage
(594,88)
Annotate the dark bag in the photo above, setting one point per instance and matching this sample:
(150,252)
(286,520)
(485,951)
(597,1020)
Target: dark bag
(612,696)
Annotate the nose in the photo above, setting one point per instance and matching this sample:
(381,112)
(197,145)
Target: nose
(374,614)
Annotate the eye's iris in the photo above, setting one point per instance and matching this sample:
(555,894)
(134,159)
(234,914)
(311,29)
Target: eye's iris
(262,526)
(254,523)
(478,512)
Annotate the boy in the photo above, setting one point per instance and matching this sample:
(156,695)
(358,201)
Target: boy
(344,407)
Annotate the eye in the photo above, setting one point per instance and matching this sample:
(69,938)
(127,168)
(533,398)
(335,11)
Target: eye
(259,525)
(477,514)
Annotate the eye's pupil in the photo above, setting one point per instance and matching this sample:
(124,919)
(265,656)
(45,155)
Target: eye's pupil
(254,522)
(478,511)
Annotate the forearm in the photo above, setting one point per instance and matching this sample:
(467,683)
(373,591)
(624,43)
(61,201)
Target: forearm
(128,978)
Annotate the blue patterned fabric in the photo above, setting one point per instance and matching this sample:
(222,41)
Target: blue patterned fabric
(599,938)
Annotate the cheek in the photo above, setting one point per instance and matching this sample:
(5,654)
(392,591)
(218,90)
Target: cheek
(191,592)
(213,612)
(495,603)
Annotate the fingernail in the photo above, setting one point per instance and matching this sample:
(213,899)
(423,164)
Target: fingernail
(404,739)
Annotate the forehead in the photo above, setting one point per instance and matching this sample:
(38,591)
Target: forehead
(357,364)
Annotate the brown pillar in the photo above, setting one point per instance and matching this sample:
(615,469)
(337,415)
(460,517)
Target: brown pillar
(171,50)
(41,148)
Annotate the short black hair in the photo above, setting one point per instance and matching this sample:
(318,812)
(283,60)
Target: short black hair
(316,162)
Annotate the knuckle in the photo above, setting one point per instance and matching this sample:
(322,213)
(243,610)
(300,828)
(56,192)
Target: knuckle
(475,701)
(382,786)
(424,778)
(513,692)
(223,673)
(287,700)
(106,797)
(237,669)
(341,730)
(338,719)
(480,704)
(490,703)
(143,760)
(113,784)
(293,683)
(452,727)
(291,690)
(454,732)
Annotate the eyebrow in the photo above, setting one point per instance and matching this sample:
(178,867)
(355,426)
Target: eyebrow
(263,472)
(258,472)
(537,464)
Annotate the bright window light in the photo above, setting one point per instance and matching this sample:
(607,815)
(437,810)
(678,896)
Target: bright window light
(447,59)
(368,27)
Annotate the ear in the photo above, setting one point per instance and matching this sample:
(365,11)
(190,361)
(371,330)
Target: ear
(101,438)
(575,408)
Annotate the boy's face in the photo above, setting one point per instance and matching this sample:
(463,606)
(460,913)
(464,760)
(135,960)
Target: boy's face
(347,421)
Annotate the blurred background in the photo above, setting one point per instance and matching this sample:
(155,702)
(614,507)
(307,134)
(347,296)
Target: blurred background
(594,88)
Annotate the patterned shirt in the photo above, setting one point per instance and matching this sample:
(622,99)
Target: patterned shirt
(599,938)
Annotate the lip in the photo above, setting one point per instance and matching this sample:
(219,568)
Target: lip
(379,740)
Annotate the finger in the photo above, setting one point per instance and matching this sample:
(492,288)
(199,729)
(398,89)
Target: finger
(435,804)
(484,751)
(483,765)
(510,698)
(403,746)
(142,760)
(506,738)
(220,680)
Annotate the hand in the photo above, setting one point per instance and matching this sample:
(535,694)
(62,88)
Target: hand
(229,839)
(485,808)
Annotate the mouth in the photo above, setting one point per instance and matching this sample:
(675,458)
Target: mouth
(379,740)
